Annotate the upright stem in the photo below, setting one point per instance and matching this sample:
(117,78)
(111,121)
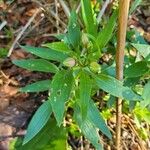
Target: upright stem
(123,17)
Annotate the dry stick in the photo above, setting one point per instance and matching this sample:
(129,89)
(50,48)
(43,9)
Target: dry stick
(22,31)
(102,11)
(56,11)
(50,13)
(78,7)
(123,16)
(65,7)
(3,24)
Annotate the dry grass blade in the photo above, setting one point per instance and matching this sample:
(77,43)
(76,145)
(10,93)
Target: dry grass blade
(102,10)
(3,24)
(65,7)
(22,31)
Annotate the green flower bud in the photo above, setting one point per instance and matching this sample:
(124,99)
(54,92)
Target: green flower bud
(95,67)
(69,62)
(85,39)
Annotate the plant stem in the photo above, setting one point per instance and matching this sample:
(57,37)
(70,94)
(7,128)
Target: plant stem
(123,17)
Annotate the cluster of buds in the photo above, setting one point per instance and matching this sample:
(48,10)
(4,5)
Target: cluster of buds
(115,4)
(85,40)
(95,67)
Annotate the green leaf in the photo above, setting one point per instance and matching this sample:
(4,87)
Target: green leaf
(38,121)
(46,53)
(36,65)
(88,129)
(38,86)
(134,5)
(50,137)
(143,49)
(137,69)
(115,87)
(61,87)
(88,17)
(96,118)
(58,46)
(106,34)
(85,93)
(74,34)
(146,95)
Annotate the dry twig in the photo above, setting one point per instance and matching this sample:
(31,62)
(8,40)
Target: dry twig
(3,24)
(65,7)
(102,10)
(22,32)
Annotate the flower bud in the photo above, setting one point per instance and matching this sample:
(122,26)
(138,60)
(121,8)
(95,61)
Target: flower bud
(85,39)
(95,67)
(69,62)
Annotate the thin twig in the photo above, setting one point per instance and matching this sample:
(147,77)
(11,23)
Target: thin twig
(32,28)
(102,10)
(50,14)
(22,31)
(56,12)
(57,18)
(135,132)
(65,7)
(78,7)
(3,24)
(123,16)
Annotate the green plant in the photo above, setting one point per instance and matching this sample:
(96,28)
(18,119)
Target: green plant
(77,77)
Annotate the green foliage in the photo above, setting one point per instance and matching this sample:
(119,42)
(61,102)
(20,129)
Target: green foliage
(137,69)
(85,93)
(38,86)
(135,4)
(87,128)
(36,65)
(74,34)
(96,118)
(50,137)
(115,87)
(58,46)
(143,49)
(88,17)
(3,52)
(38,121)
(61,87)
(77,77)
(50,54)
(146,95)
(107,32)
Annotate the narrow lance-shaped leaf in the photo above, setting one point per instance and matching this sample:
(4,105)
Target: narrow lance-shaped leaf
(106,33)
(87,128)
(36,65)
(50,137)
(96,118)
(74,34)
(146,95)
(61,87)
(58,46)
(38,86)
(46,53)
(137,69)
(115,87)
(85,93)
(88,17)
(144,49)
(134,5)
(38,121)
